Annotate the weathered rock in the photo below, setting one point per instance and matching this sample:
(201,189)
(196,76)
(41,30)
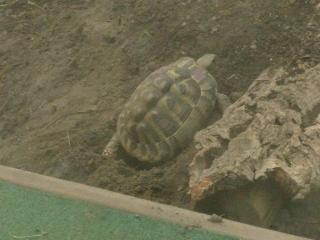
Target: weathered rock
(270,135)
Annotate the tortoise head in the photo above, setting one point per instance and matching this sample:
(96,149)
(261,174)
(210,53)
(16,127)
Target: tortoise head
(206,60)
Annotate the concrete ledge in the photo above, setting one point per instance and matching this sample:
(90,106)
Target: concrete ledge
(137,206)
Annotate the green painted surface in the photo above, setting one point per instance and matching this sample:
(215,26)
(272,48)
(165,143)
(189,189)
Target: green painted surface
(31,214)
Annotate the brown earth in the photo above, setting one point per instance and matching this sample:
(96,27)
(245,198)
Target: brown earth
(67,67)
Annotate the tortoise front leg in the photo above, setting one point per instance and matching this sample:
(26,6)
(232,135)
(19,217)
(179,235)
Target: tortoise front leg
(222,102)
(112,147)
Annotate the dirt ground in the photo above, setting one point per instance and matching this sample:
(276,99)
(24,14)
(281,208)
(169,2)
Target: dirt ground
(67,68)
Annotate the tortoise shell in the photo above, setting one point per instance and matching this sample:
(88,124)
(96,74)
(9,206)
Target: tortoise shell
(166,110)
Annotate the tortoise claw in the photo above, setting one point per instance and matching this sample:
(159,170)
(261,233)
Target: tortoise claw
(112,147)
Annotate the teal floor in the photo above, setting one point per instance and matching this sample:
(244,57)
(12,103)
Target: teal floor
(31,214)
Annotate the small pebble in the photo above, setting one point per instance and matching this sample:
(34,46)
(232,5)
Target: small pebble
(214,218)
(214,29)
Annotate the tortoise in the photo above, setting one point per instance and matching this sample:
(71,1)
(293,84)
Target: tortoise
(166,110)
